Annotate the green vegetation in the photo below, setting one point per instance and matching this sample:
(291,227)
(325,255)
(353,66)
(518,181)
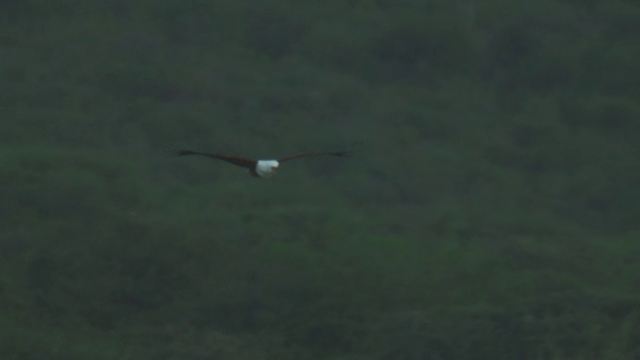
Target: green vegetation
(491,212)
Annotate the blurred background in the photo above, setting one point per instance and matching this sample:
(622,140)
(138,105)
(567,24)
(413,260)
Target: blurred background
(491,211)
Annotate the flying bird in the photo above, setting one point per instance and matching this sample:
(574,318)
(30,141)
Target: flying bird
(257,168)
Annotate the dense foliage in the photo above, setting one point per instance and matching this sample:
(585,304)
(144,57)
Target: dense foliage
(491,211)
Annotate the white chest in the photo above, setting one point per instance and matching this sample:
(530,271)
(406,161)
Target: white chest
(266,168)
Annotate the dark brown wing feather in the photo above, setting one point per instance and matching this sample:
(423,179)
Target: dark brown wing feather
(314,154)
(237,160)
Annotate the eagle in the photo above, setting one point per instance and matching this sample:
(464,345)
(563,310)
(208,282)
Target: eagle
(257,168)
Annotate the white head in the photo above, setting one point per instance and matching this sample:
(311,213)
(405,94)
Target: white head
(266,168)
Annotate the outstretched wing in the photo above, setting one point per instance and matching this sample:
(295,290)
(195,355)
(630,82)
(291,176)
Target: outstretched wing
(237,160)
(341,153)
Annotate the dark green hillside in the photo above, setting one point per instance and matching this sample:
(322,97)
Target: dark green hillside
(490,211)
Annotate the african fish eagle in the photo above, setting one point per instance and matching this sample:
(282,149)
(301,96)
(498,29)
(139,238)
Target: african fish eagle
(257,168)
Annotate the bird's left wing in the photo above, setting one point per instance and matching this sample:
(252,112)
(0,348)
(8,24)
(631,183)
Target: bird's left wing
(341,153)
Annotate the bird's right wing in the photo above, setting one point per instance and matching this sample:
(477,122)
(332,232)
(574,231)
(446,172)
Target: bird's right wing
(234,159)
